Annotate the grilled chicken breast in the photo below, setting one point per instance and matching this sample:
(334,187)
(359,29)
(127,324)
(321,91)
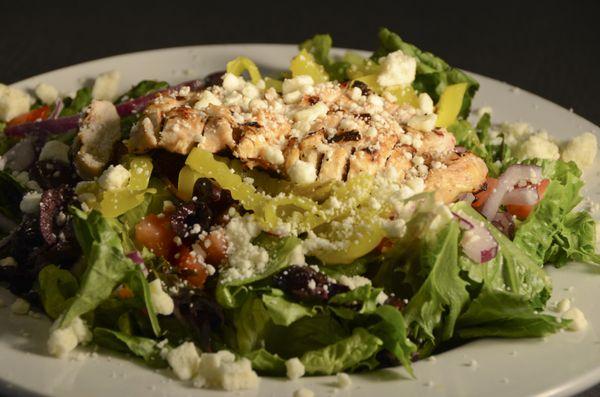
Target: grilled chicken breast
(310,133)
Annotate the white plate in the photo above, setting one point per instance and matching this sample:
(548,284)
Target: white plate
(560,365)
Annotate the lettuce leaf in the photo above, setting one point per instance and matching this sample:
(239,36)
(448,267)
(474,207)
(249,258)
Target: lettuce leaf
(251,322)
(319,46)
(75,105)
(284,312)
(554,232)
(145,348)
(474,140)
(142,88)
(433,74)
(12,194)
(267,363)
(347,353)
(505,314)
(442,296)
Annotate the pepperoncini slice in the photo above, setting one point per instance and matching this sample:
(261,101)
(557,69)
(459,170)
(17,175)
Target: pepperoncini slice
(305,64)
(241,64)
(450,104)
(274,83)
(405,94)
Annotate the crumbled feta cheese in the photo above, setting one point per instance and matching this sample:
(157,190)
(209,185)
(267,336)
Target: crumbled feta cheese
(13,102)
(397,68)
(206,98)
(343,380)
(106,86)
(396,228)
(222,371)
(563,305)
(538,146)
(381,298)
(8,261)
(162,302)
(114,177)
(47,93)
(304,392)
(55,150)
(294,368)
(302,172)
(582,150)
(311,113)
(243,258)
(578,320)
(425,103)
(184,360)
(353,282)
(423,122)
(232,82)
(30,204)
(273,155)
(20,306)
(63,340)
(297,83)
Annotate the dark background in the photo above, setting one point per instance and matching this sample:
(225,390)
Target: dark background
(548,47)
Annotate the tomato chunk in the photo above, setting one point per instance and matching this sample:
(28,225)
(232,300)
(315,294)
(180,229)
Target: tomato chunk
(482,195)
(215,247)
(192,267)
(155,233)
(40,113)
(523,211)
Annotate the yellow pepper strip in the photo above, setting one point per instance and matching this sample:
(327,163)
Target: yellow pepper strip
(113,203)
(371,81)
(185,183)
(277,84)
(450,104)
(305,64)
(405,94)
(366,68)
(347,245)
(241,64)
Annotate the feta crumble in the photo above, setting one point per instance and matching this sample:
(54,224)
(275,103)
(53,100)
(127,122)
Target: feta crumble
(114,177)
(64,340)
(13,102)
(30,204)
(162,302)
(8,261)
(582,150)
(243,258)
(46,93)
(106,86)
(221,370)
(397,68)
(304,392)
(302,172)
(184,360)
(294,368)
(353,282)
(578,320)
(343,380)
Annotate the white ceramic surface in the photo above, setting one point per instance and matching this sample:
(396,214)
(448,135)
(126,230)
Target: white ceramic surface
(560,365)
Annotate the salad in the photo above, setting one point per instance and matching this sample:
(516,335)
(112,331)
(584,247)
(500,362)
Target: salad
(341,216)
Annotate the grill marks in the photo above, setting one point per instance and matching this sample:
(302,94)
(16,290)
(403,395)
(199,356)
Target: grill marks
(346,136)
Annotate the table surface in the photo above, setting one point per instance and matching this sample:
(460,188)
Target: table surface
(549,48)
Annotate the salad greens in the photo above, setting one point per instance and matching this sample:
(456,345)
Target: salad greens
(397,285)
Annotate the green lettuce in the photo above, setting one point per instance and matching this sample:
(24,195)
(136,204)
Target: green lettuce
(347,353)
(75,105)
(554,232)
(319,46)
(496,313)
(433,74)
(476,140)
(142,88)
(283,311)
(12,194)
(145,348)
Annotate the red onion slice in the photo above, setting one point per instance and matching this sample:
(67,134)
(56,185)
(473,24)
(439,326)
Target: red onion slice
(136,257)
(521,196)
(477,242)
(64,124)
(505,222)
(512,176)
(58,107)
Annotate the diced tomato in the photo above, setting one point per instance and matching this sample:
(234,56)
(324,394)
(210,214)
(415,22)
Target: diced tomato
(482,195)
(192,267)
(215,247)
(155,233)
(40,113)
(124,292)
(523,211)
